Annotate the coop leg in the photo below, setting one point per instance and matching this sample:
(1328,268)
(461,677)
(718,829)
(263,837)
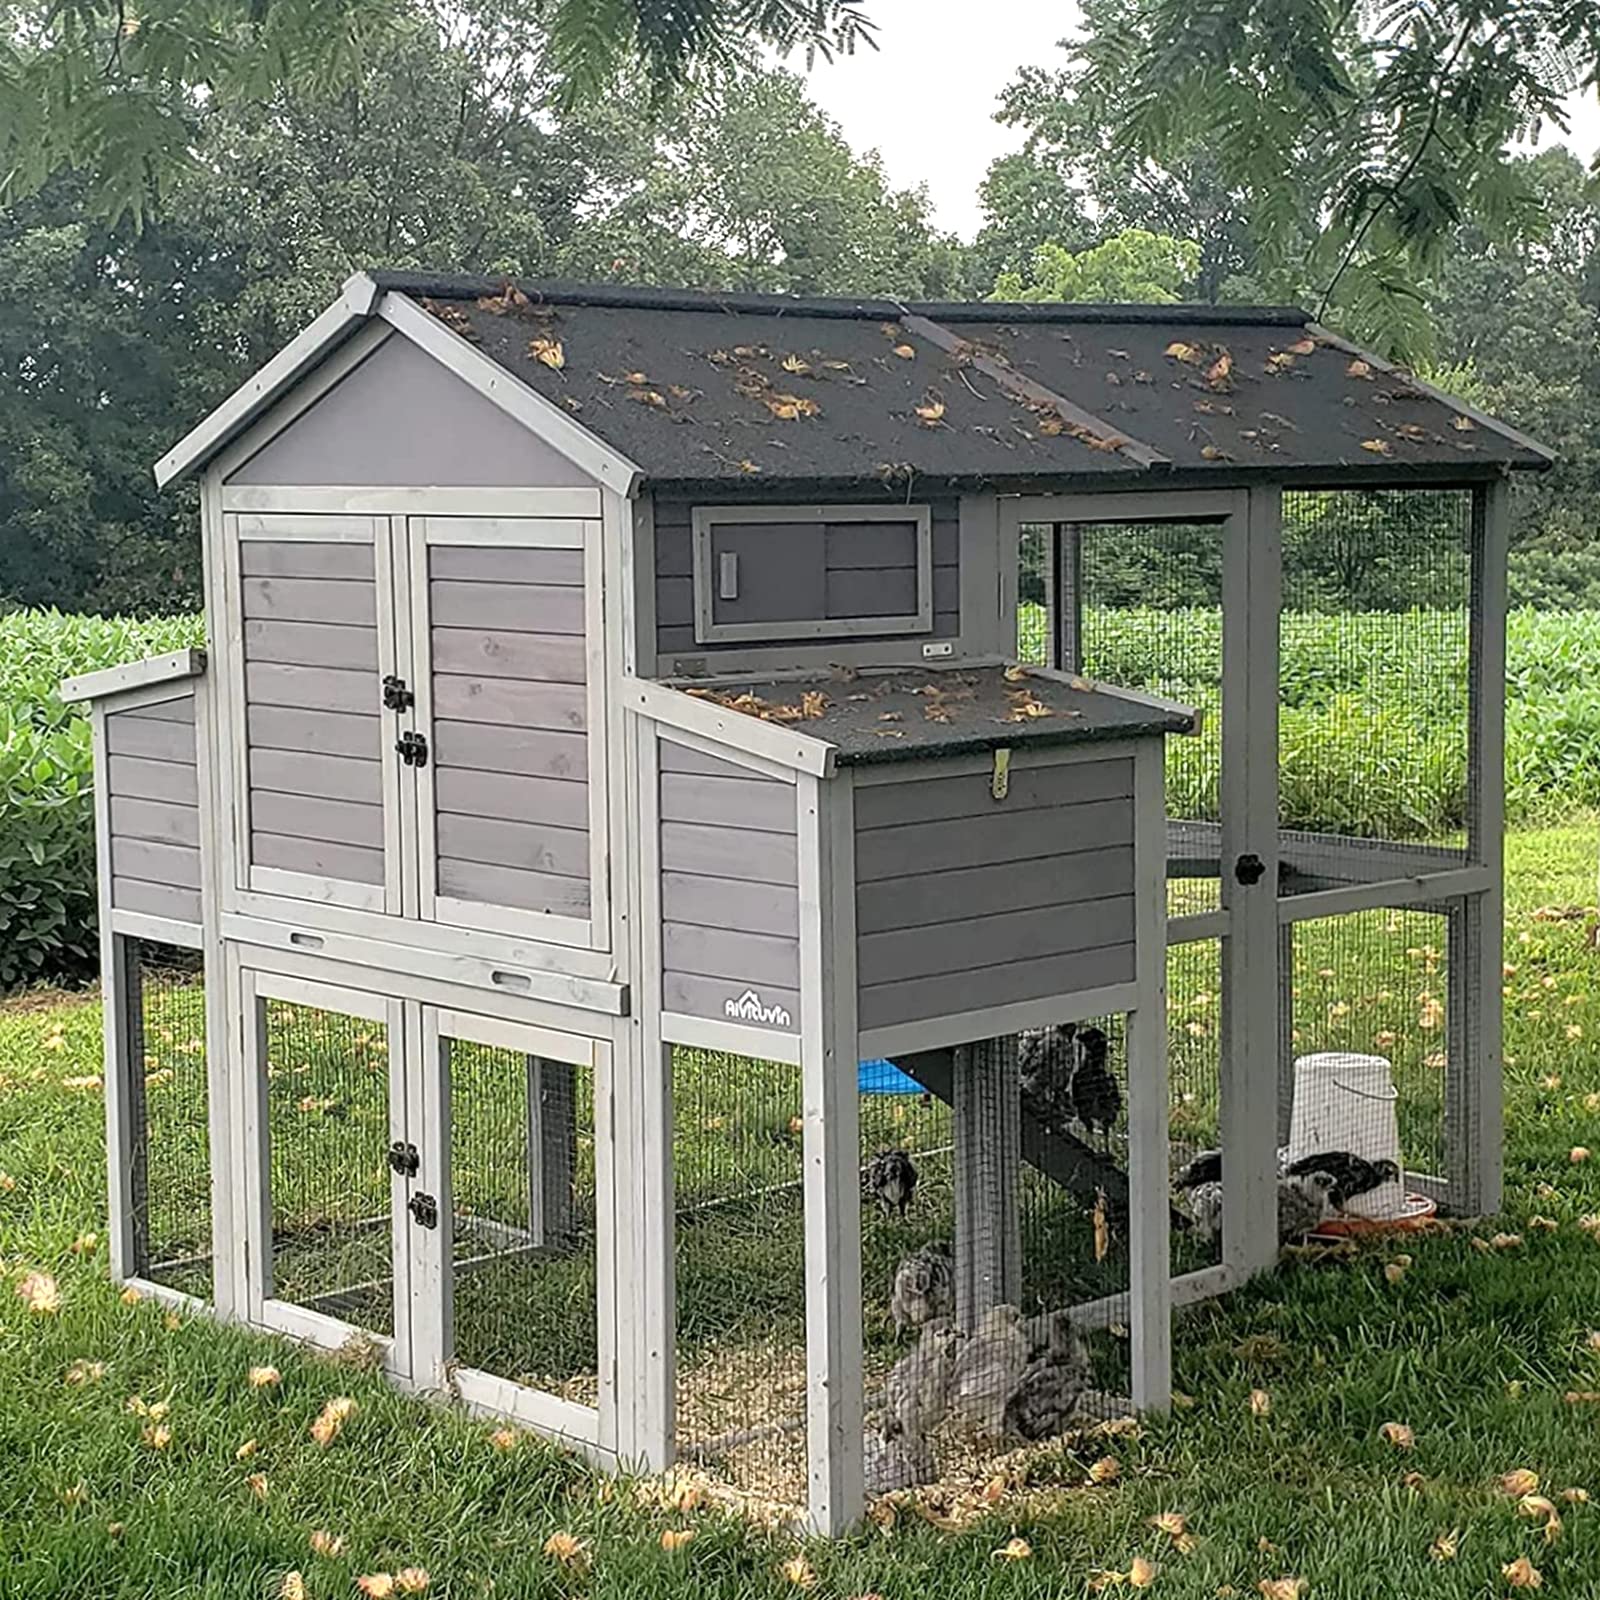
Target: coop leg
(552,1153)
(123,1000)
(988,1160)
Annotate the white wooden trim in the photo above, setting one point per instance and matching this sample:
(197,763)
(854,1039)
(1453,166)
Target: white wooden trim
(343,499)
(316,890)
(473,1027)
(322,1332)
(980,555)
(598,644)
(546,1414)
(1251,602)
(297,399)
(832,1145)
(287,527)
(1201,925)
(974,763)
(738,758)
(967,1027)
(1140,504)
(540,416)
(150,673)
(1190,1288)
(609,1295)
(520,533)
(636,523)
(176,1299)
(313,992)
(1424,889)
(403,865)
(731,1038)
(158,930)
(247,402)
(707,630)
(1149,1105)
(401,938)
(331,962)
(433,1279)
(1114,691)
(117,1081)
(776,742)
(399,793)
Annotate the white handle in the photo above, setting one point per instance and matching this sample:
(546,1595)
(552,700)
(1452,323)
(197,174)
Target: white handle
(1391,1093)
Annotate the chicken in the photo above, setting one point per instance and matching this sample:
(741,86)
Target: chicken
(916,1393)
(1096,1100)
(901,1462)
(1045,1061)
(1304,1204)
(1205,1207)
(893,1179)
(1352,1175)
(924,1288)
(987,1370)
(1049,1397)
(1204,1168)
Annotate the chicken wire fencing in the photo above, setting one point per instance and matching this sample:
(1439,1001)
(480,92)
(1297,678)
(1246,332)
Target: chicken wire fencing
(168,1096)
(329,1184)
(1139,605)
(524,1219)
(740,1315)
(1374,683)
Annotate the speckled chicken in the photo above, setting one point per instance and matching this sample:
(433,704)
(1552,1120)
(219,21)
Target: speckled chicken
(1352,1175)
(1096,1099)
(924,1288)
(1049,1397)
(988,1368)
(1304,1204)
(916,1393)
(901,1462)
(1205,1208)
(892,1178)
(1045,1061)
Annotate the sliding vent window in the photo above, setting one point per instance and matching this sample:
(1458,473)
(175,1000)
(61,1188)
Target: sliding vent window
(796,572)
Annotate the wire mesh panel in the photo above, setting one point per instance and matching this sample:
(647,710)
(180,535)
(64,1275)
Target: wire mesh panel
(1374,678)
(1372,1044)
(1139,605)
(327,1099)
(522,1176)
(1195,1127)
(169,1102)
(740,1263)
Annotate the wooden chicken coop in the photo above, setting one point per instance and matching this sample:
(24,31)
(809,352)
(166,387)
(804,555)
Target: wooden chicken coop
(625,713)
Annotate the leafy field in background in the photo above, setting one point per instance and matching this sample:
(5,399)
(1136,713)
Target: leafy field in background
(1482,1342)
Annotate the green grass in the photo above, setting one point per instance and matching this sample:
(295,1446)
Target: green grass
(1473,1350)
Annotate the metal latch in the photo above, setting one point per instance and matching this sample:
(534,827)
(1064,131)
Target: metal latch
(404,1159)
(396,696)
(1249,869)
(1000,782)
(425,1209)
(413,749)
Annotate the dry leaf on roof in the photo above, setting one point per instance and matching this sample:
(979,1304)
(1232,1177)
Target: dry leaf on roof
(453,317)
(1379,447)
(1179,351)
(649,397)
(1220,370)
(796,364)
(1359,369)
(931,412)
(906,352)
(510,299)
(548,352)
(748,466)
(679,392)
(1303,347)
(1211,452)
(1462,424)
(791,407)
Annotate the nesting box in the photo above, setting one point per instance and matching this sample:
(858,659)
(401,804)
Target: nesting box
(615,725)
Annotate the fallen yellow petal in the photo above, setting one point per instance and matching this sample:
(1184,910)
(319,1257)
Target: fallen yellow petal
(1397,1434)
(130,1296)
(412,1580)
(1141,1573)
(1015,1548)
(40,1293)
(1260,1403)
(1446,1546)
(157,1435)
(376,1585)
(1520,1482)
(504,1438)
(246,1450)
(293,1587)
(676,1538)
(1172,1523)
(1578,1154)
(566,1549)
(331,1419)
(1522,1574)
(1282,1588)
(257,1484)
(1106,1470)
(263,1377)
(326,1544)
(82,1372)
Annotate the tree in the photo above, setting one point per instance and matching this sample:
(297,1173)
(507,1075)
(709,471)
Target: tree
(1356,140)
(101,88)
(1132,265)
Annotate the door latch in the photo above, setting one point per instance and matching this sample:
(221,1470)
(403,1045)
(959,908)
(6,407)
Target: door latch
(425,1209)
(1249,869)
(403,1158)
(413,749)
(396,696)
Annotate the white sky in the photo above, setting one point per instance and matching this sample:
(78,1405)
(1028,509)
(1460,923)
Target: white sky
(925,98)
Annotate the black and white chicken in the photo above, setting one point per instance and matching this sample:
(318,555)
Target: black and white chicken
(892,1178)
(1049,1396)
(1096,1099)
(1045,1062)
(924,1288)
(1305,1202)
(1351,1175)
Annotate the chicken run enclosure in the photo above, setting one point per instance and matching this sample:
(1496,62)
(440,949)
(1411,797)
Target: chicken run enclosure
(766,886)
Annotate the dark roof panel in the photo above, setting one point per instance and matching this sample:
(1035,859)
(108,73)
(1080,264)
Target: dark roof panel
(723,390)
(914,713)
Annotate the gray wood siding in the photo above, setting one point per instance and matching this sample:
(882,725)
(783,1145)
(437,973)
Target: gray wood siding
(868,569)
(313,711)
(399,420)
(510,720)
(730,899)
(964,902)
(152,785)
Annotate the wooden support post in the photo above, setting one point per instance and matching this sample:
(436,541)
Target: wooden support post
(552,1153)
(1251,599)
(828,1057)
(1066,593)
(1476,1125)
(1285,1030)
(1150,1229)
(986,1167)
(128,1178)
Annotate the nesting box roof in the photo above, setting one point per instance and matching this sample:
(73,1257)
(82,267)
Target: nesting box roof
(913,713)
(706,391)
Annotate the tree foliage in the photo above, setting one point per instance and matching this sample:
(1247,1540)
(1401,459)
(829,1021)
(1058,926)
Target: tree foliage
(1132,265)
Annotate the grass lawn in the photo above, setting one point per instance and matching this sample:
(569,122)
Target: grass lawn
(1474,1349)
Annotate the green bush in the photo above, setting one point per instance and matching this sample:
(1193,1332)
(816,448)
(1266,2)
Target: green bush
(47,874)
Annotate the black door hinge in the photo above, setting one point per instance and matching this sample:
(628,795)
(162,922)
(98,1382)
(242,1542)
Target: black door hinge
(413,749)
(396,696)
(404,1159)
(425,1209)
(1249,869)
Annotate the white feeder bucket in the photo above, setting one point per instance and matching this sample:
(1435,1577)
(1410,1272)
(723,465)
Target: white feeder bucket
(1344,1101)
